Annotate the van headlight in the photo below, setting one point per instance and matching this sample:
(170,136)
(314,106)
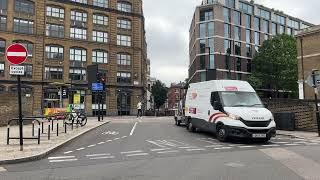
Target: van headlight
(234,117)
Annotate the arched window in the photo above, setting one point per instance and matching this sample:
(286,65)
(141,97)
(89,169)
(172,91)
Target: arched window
(99,56)
(124,6)
(27,44)
(54,52)
(101,3)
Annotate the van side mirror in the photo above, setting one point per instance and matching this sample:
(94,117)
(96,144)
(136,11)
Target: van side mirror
(217,106)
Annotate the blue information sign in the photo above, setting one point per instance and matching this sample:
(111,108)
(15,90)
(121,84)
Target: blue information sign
(97,87)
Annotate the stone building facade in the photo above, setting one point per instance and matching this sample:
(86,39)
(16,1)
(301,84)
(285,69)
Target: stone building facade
(63,37)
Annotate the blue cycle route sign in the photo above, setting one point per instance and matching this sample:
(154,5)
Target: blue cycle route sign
(97,87)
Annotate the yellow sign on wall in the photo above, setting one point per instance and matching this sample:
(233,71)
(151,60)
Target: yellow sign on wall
(76,99)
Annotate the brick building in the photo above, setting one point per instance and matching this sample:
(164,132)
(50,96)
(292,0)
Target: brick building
(175,94)
(225,34)
(63,37)
(308,44)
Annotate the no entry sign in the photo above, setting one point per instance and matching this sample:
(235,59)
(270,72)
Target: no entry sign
(16,54)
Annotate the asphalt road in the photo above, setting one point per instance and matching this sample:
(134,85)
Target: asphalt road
(154,148)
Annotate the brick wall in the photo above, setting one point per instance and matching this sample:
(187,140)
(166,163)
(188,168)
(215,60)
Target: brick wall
(9,106)
(304,110)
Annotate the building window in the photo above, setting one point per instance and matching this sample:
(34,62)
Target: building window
(99,56)
(227,15)
(99,36)
(281,19)
(289,31)
(211,44)
(293,24)
(227,30)
(101,3)
(3,7)
(24,6)
(78,54)
(246,8)
(2,46)
(206,15)
(28,45)
(23,26)
(124,77)
(248,36)
(237,48)
(266,28)
(100,19)
(203,76)
(274,29)
(202,46)
(230,3)
(248,21)
(202,63)
(257,24)
(124,23)
(237,33)
(124,59)
(202,29)
(281,29)
(79,16)
(248,50)
(55,30)
(2,66)
(303,26)
(210,29)
(257,38)
(56,12)
(77,74)
(28,71)
(3,23)
(123,40)
(227,46)
(237,18)
(54,52)
(265,14)
(78,33)
(124,6)
(80,1)
(53,72)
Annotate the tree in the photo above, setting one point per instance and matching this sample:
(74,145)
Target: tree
(275,65)
(159,92)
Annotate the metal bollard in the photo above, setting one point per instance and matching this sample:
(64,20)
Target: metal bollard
(52,125)
(72,125)
(42,130)
(49,132)
(8,134)
(39,134)
(65,127)
(57,128)
(32,128)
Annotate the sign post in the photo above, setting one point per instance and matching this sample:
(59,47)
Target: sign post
(314,81)
(16,54)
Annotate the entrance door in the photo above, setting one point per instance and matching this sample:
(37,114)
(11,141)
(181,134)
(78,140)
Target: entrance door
(124,104)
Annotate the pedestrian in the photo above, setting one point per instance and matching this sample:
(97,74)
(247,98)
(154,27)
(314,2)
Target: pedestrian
(139,108)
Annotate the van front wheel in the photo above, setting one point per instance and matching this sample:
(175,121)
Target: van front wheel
(191,127)
(222,134)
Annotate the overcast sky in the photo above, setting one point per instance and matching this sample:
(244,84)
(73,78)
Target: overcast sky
(167,27)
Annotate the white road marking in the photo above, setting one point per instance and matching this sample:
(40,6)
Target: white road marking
(68,152)
(62,160)
(95,155)
(116,139)
(157,144)
(220,148)
(196,149)
(80,149)
(304,167)
(218,145)
(292,144)
(162,149)
(281,142)
(93,145)
(101,143)
(246,146)
(210,142)
(179,142)
(188,147)
(2,169)
(61,157)
(103,157)
(124,137)
(167,152)
(133,128)
(312,143)
(109,141)
(271,145)
(139,154)
(129,152)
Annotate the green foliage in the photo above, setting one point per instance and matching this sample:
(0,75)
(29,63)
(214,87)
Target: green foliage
(275,66)
(159,92)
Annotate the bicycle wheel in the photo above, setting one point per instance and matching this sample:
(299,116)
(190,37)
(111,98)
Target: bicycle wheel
(83,119)
(69,119)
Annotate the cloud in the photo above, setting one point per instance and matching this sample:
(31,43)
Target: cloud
(167,28)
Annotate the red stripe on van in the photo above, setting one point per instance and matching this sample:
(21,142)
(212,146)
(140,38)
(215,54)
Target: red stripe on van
(213,115)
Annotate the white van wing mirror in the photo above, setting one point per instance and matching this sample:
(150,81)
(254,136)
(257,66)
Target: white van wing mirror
(217,106)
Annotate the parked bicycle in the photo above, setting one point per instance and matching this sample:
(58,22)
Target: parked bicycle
(76,117)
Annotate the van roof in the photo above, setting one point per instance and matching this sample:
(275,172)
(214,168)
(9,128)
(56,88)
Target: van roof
(224,85)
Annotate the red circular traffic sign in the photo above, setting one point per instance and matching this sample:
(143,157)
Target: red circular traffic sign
(16,53)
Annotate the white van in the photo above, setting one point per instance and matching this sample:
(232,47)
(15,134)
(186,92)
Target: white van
(228,108)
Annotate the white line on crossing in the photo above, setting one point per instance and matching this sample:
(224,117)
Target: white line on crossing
(103,157)
(124,137)
(196,149)
(68,152)
(293,144)
(133,128)
(246,146)
(139,154)
(188,147)
(167,152)
(101,143)
(80,149)
(129,152)
(93,145)
(271,145)
(162,149)
(220,148)
(116,139)
(157,144)
(109,141)
(95,155)
(62,160)
(61,157)
(218,145)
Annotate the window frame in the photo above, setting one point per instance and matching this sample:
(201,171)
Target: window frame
(96,58)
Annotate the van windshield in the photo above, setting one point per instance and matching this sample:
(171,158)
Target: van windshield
(240,99)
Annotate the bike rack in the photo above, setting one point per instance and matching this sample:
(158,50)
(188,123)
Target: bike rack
(24,119)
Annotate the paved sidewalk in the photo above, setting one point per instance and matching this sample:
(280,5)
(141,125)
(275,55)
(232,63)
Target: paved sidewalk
(300,134)
(12,154)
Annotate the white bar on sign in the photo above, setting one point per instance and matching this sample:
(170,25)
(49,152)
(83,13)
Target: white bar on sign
(18,54)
